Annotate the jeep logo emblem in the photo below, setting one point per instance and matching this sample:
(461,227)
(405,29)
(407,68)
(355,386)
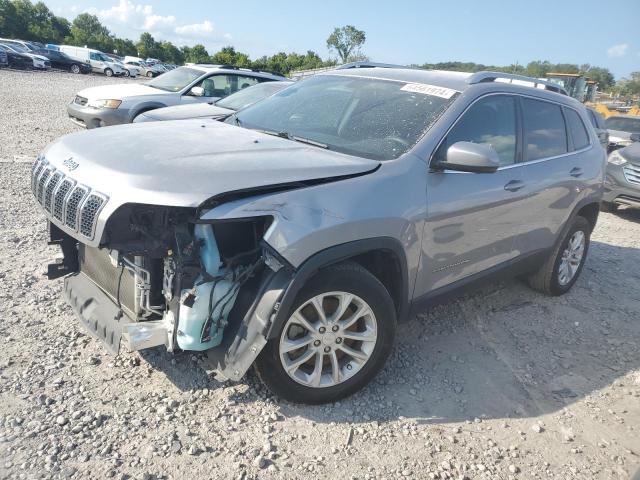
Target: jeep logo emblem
(70,163)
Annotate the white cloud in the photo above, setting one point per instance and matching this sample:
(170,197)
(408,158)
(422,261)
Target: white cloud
(128,19)
(195,29)
(618,50)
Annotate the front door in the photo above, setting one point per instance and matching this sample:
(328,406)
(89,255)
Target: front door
(473,219)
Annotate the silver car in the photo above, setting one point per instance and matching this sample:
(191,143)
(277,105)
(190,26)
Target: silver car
(295,235)
(622,184)
(623,130)
(116,104)
(218,110)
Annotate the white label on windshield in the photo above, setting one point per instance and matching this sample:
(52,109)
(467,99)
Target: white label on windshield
(426,89)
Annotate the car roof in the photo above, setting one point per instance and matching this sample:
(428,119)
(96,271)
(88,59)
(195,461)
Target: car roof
(458,81)
(440,78)
(206,67)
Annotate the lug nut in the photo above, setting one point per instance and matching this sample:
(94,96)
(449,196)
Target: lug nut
(322,329)
(335,328)
(338,340)
(327,349)
(316,343)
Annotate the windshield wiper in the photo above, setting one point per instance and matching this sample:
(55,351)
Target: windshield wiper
(295,138)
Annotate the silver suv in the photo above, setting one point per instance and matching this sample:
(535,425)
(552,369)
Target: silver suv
(296,234)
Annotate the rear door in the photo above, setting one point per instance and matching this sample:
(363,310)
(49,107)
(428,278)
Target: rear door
(552,166)
(473,218)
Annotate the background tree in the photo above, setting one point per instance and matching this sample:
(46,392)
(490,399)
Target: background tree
(196,54)
(86,30)
(346,41)
(148,47)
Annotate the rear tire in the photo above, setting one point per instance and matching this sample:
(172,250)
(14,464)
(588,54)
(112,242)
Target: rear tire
(75,68)
(561,270)
(338,365)
(149,74)
(127,73)
(108,72)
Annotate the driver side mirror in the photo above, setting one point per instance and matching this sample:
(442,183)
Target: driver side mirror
(197,91)
(471,157)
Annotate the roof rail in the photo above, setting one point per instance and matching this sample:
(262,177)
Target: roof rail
(368,65)
(482,77)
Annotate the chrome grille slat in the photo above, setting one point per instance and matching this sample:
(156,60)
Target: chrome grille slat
(632,173)
(42,181)
(89,212)
(74,207)
(60,197)
(71,208)
(48,192)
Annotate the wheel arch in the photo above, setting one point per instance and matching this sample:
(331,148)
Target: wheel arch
(147,106)
(383,257)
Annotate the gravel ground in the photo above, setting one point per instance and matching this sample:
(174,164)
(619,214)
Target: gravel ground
(504,383)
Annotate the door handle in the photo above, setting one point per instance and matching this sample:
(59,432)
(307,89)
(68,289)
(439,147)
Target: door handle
(514,185)
(575,172)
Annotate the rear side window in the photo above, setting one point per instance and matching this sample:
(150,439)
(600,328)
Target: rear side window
(492,121)
(544,130)
(577,129)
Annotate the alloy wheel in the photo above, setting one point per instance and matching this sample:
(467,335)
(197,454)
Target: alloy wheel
(571,258)
(328,339)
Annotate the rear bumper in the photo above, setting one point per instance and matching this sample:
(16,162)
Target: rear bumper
(89,117)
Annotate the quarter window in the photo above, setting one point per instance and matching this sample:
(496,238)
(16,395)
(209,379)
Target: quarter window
(577,129)
(544,131)
(491,121)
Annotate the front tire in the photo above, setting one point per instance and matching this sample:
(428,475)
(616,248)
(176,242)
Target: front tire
(127,73)
(149,74)
(75,69)
(336,338)
(108,72)
(563,267)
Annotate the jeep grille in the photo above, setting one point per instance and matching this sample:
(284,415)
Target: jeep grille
(70,204)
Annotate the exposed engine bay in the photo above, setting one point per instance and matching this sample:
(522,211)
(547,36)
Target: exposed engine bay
(175,280)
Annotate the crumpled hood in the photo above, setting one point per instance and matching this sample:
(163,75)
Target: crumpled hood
(183,163)
(181,112)
(119,91)
(631,153)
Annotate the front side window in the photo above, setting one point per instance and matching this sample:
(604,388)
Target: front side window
(95,56)
(367,117)
(544,130)
(491,121)
(577,129)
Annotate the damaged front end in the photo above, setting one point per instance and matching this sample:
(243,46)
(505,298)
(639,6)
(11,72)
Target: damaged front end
(162,276)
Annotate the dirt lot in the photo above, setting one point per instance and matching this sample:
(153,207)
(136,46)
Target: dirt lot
(505,383)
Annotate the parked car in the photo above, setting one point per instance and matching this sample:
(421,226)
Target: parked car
(38,61)
(21,43)
(143,69)
(4,60)
(597,121)
(620,128)
(297,233)
(64,62)
(216,110)
(100,63)
(115,104)
(622,183)
(16,60)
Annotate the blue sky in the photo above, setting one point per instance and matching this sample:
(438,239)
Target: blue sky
(604,33)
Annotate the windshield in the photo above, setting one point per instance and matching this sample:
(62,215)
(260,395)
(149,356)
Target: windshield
(631,125)
(371,118)
(17,48)
(175,80)
(250,95)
